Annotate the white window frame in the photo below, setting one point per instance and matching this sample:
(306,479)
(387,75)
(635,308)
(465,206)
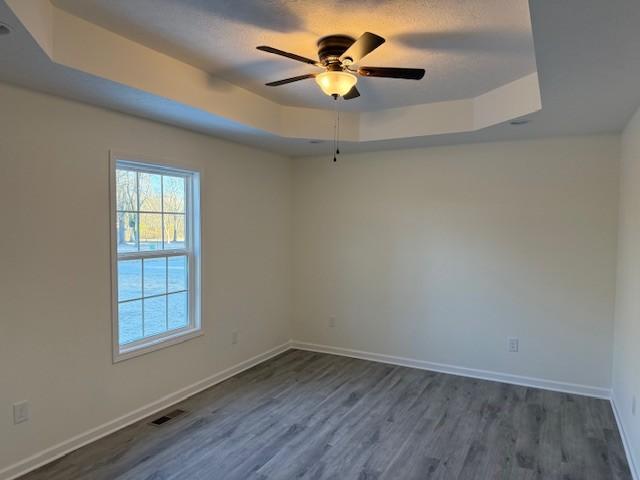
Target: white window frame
(192,251)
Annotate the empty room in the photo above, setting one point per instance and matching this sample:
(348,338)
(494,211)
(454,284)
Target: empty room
(302,239)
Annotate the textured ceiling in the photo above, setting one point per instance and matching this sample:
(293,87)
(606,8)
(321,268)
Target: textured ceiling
(468,47)
(588,60)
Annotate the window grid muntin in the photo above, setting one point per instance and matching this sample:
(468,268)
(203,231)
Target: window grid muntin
(128,300)
(138,235)
(187,251)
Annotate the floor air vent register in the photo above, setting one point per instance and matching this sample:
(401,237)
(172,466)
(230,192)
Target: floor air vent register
(164,419)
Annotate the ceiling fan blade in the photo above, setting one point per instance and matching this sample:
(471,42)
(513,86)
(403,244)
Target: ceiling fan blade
(290,80)
(363,46)
(386,72)
(292,56)
(353,93)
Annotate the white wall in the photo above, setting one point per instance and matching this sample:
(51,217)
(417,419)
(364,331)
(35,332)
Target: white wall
(626,362)
(435,254)
(55,326)
(440,254)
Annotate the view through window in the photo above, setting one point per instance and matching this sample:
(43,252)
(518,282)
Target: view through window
(155,250)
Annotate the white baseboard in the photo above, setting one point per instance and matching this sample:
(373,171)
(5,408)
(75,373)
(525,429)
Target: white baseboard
(590,391)
(631,457)
(56,451)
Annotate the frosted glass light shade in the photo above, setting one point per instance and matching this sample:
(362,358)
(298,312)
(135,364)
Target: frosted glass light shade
(336,83)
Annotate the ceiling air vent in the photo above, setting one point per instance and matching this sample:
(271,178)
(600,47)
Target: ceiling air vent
(167,417)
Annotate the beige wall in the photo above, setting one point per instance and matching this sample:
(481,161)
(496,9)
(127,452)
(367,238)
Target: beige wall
(440,254)
(55,327)
(626,363)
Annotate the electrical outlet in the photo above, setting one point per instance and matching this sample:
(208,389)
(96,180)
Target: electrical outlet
(234,337)
(513,345)
(332,322)
(633,406)
(20,412)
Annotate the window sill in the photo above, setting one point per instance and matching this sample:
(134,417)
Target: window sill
(124,353)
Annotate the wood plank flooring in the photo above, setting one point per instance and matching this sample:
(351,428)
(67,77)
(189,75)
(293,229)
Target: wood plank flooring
(316,416)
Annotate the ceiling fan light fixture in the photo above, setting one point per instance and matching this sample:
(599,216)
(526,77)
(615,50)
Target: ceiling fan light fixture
(336,82)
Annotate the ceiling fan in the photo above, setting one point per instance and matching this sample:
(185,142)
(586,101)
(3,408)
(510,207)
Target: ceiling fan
(337,54)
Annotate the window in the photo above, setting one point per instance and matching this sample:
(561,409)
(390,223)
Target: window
(155,237)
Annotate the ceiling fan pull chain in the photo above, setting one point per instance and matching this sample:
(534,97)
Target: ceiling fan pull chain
(335,129)
(338,132)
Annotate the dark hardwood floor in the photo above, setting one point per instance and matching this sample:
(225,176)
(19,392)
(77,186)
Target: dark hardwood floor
(317,416)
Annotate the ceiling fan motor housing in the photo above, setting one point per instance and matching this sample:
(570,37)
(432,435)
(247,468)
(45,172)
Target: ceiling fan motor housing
(330,48)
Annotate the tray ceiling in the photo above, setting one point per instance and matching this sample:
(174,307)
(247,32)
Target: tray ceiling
(468,48)
(587,56)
